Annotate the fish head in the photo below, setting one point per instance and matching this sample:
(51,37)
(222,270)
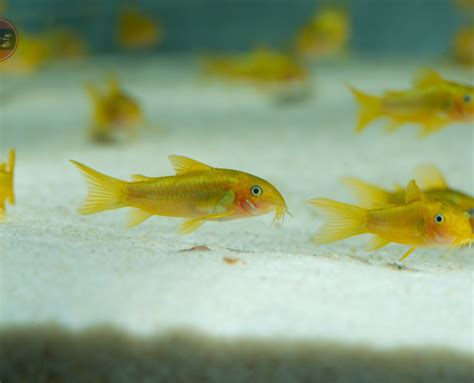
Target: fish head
(257,196)
(463,102)
(447,224)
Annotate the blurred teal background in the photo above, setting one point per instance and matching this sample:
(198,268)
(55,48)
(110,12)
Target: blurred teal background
(422,28)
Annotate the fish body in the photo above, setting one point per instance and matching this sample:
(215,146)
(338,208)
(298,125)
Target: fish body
(137,30)
(464,46)
(428,177)
(326,35)
(261,66)
(7,172)
(421,221)
(432,103)
(198,192)
(113,112)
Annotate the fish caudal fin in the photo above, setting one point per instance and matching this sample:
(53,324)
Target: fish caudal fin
(343,220)
(367,194)
(105,193)
(369,108)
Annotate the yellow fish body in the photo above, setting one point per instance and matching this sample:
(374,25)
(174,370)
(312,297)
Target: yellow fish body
(198,192)
(464,46)
(261,67)
(431,181)
(114,112)
(138,30)
(327,34)
(433,103)
(7,173)
(419,221)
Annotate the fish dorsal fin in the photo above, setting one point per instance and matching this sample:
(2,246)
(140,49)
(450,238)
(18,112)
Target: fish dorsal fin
(183,165)
(413,192)
(428,77)
(140,177)
(430,177)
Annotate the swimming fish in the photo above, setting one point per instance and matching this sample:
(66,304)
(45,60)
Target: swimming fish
(197,192)
(327,34)
(464,46)
(114,112)
(7,173)
(429,178)
(433,103)
(420,221)
(32,54)
(261,67)
(138,30)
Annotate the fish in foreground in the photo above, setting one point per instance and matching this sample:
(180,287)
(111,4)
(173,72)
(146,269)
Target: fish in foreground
(432,103)
(114,112)
(421,221)
(261,67)
(7,173)
(428,177)
(198,192)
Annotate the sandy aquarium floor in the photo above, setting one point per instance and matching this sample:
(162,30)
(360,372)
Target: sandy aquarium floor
(263,300)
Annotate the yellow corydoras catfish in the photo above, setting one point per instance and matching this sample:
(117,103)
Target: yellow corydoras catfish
(432,103)
(421,221)
(198,192)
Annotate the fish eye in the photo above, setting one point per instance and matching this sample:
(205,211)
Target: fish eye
(439,218)
(256,190)
(467,98)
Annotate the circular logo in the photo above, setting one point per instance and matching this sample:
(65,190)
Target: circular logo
(8,39)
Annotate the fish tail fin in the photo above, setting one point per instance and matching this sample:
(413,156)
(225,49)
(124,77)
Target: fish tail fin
(105,193)
(369,108)
(343,220)
(367,194)
(11,171)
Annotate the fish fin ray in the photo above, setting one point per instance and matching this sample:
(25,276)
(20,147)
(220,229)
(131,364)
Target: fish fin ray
(136,216)
(430,177)
(183,165)
(369,108)
(413,192)
(105,193)
(377,242)
(366,193)
(343,220)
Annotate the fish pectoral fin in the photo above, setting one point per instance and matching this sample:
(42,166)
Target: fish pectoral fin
(430,128)
(140,177)
(193,224)
(377,242)
(137,216)
(411,250)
